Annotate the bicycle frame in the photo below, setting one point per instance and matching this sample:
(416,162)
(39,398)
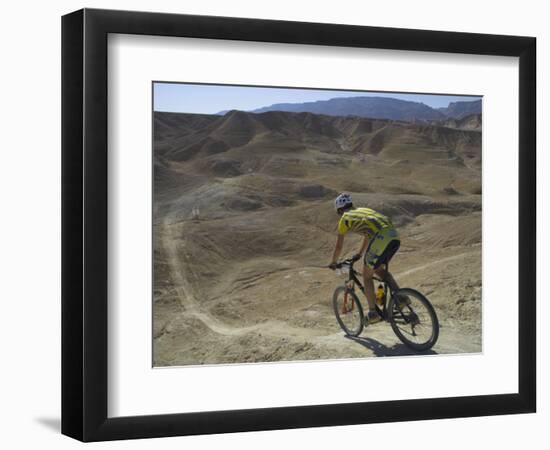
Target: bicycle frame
(354,280)
(408,317)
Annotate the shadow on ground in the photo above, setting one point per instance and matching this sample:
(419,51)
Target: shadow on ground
(53,423)
(380,349)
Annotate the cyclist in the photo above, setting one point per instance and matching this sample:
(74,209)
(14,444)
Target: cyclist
(380,243)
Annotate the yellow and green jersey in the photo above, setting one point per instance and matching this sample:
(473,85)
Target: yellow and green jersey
(364,221)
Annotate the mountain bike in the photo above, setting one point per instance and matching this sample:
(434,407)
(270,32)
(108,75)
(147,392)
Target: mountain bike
(410,314)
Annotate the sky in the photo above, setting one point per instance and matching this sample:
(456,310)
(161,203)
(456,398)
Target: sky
(211,99)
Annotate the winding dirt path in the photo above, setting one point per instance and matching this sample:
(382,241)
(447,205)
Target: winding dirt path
(435,263)
(189,303)
(379,340)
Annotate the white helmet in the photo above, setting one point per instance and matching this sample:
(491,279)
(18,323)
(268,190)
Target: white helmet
(342,201)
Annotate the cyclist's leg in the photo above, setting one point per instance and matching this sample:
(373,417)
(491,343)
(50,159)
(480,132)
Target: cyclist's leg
(382,267)
(369,261)
(368,284)
(372,316)
(387,247)
(384,274)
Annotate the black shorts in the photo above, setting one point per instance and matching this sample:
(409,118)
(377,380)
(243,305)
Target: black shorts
(381,248)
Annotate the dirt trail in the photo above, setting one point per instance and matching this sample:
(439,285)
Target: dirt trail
(378,340)
(191,307)
(435,263)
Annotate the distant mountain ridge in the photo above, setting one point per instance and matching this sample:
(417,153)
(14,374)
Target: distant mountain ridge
(377,108)
(372,107)
(458,110)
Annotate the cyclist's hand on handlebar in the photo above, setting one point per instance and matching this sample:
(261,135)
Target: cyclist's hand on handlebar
(333,266)
(356,257)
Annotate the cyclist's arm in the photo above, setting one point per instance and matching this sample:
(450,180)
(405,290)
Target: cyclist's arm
(338,248)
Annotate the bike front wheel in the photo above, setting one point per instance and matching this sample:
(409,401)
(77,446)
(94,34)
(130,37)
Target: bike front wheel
(413,319)
(348,311)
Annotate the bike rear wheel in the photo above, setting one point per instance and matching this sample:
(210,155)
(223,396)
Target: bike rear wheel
(348,311)
(413,319)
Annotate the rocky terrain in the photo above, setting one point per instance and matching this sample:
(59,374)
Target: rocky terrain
(244,223)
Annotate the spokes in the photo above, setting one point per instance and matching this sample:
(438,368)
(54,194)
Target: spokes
(413,319)
(349,314)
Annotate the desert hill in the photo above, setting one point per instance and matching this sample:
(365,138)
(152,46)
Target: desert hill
(243,208)
(469,122)
(458,110)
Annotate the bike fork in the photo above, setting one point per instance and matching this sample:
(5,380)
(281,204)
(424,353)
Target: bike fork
(345,306)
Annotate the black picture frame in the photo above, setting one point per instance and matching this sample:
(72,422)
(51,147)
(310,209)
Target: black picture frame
(84,224)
